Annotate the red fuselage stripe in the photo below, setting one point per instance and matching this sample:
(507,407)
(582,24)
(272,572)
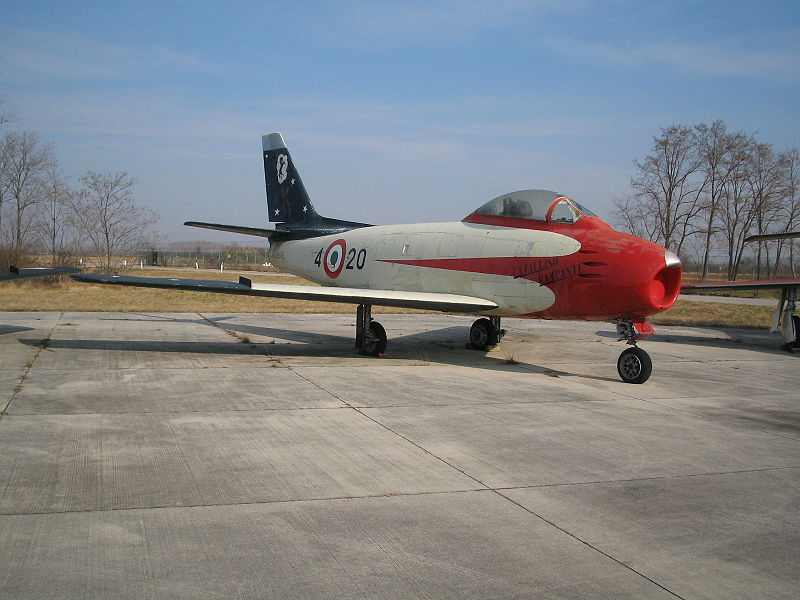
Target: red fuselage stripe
(510,266)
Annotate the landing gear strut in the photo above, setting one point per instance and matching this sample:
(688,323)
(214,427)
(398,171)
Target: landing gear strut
(786,321)
(792,338)
(370,335)
(634,364)
(485,333)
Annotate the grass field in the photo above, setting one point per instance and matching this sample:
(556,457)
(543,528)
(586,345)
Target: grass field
(713,314)
(70,296)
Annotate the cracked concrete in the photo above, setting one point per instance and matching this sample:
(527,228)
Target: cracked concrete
(256,456)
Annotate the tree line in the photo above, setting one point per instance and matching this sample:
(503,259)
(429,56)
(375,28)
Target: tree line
(704,189)
(43,213)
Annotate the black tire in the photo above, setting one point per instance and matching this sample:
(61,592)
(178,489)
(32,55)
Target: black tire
(634,365)
(483,334)
(375,340)
(796,321)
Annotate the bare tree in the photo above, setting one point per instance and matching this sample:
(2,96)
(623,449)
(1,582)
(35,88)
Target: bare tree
(702,185)
(737,213)
(720,154)
(636,218)
(5,116)
(667,186)
(54,221)
(791,206)
(24,162)
(767,182)
(109,218)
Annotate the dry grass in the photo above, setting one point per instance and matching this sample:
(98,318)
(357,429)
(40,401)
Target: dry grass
(712,314)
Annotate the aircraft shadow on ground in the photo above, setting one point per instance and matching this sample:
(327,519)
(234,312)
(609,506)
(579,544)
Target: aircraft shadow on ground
(147,346)
(756,341)
(446,346)
(6,329)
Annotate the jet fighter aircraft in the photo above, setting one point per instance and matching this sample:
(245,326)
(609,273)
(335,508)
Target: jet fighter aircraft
(531,253)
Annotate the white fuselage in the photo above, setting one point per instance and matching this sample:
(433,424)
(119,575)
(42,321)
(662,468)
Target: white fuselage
(367,250)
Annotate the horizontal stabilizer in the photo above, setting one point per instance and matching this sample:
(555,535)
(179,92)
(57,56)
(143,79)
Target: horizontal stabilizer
(398,299)
(267,233)
(17,273)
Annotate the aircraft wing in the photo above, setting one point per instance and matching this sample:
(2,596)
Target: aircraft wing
(763,284)
(398,299)
(17,273)
(784,318)
(764,237)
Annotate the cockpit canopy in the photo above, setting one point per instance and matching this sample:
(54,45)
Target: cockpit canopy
(536,205)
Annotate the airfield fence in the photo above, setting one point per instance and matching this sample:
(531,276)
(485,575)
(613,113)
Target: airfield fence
(231,257)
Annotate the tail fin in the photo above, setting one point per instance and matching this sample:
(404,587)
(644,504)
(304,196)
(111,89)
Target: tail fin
(287,200)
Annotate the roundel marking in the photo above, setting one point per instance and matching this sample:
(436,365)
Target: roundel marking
(282,167)
(334,258)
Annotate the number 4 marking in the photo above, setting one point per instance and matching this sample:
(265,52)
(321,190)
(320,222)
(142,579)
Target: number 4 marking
(318,259)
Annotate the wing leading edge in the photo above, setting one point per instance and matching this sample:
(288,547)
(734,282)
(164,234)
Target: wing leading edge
(397,299)
(758,284)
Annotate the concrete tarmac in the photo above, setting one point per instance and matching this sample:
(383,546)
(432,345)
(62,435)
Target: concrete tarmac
(256,456)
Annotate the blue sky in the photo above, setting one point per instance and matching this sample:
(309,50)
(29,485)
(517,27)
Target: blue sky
(393,112)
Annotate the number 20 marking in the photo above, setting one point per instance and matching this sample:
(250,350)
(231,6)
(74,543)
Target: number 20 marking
(360,258)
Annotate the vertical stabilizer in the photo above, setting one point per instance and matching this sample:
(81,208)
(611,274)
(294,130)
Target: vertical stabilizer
(287,199)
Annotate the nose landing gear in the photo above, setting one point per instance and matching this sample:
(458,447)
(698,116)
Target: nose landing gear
(634,364)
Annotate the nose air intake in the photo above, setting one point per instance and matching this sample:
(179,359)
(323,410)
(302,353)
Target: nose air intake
(665,286)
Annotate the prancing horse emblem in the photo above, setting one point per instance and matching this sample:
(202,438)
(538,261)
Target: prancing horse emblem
(283,167)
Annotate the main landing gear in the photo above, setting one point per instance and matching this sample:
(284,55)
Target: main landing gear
(370,335)
(634,364)
(485,333)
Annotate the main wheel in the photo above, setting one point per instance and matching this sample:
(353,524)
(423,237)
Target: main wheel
(483,334)
(375,340)
(634,365)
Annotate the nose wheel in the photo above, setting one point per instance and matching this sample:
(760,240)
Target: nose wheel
(634,365)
